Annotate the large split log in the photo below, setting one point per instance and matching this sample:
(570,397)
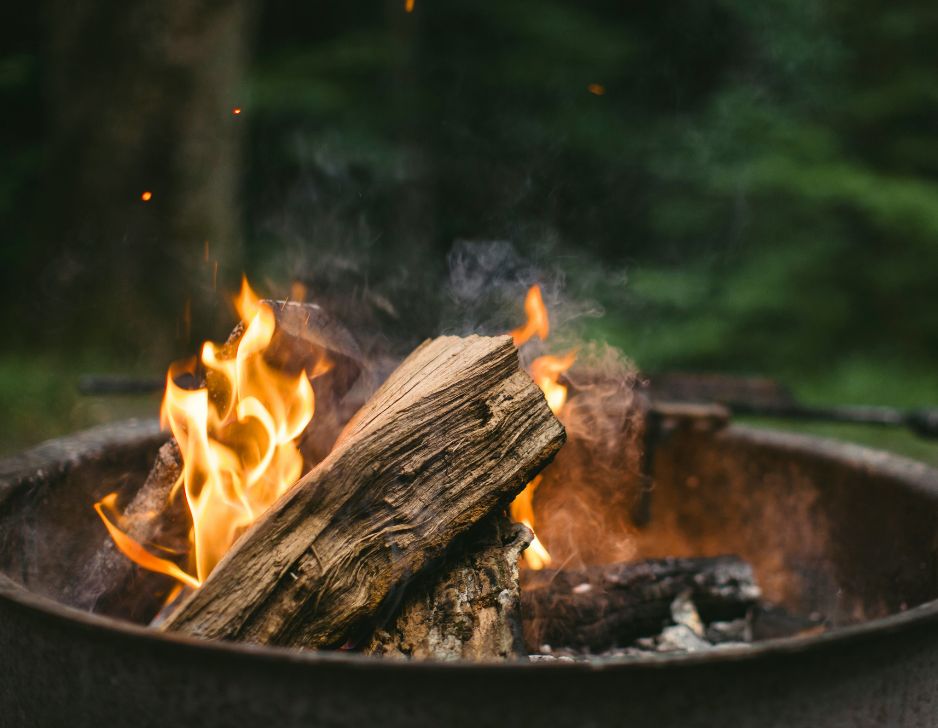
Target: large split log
(599,607)
(470,608)
(455,433)
(307,339)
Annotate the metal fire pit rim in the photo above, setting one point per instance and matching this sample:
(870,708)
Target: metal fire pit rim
(132,432)
(915,474)
(111,629)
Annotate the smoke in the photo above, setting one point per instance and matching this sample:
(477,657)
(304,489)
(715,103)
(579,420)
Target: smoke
(585,499)
(583,504)
(486,286)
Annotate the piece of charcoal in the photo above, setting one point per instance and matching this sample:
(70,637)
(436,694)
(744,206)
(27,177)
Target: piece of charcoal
(733,631)
(770,621)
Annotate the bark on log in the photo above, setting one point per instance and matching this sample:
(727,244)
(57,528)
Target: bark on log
(455,432)
(470,608)
(305,335)
(610,606)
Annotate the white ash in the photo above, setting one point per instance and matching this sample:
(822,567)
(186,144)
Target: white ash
(685,614)
(686,634)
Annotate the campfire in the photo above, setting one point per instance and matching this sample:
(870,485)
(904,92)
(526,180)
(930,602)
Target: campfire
(479,504)
(237,442)
(366,518)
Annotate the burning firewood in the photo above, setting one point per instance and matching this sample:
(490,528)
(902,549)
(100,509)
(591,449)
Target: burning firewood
(112,584)
(599,607)
(305,339)
(454,433)
(470,608)
(309,339)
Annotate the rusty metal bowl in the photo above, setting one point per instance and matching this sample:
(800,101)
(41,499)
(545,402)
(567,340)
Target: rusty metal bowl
(838,529)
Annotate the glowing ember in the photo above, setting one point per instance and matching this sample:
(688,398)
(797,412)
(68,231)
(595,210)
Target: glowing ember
(597,89)
(409,6)
(546,372)
(237,436)
(146,196)
(236,111)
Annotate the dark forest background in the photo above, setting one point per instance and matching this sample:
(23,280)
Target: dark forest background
(742,187)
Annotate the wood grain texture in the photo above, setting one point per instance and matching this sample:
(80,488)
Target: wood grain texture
(455,432)
(469,608)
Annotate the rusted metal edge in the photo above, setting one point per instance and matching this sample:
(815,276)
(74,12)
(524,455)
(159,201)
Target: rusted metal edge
(55,457)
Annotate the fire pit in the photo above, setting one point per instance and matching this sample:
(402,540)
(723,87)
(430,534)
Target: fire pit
(830,528)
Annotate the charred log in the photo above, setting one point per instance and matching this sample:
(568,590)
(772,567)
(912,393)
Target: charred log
(455,432)
(600,607)
(111,583)
(470,608)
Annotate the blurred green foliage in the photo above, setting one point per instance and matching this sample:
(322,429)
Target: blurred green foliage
(39,398)
(758,185)
(766,174)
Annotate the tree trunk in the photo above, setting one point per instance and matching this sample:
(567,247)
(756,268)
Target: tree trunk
(140,99)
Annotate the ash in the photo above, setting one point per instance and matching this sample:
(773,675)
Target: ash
(686,633)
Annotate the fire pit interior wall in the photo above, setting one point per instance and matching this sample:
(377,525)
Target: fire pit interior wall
(827,527)
(837,536)
(47,530)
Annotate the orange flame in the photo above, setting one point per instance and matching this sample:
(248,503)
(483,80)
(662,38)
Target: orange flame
(409,6)
(522,510)
(538,323)
(545,371)
(237,438)
(132,549)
